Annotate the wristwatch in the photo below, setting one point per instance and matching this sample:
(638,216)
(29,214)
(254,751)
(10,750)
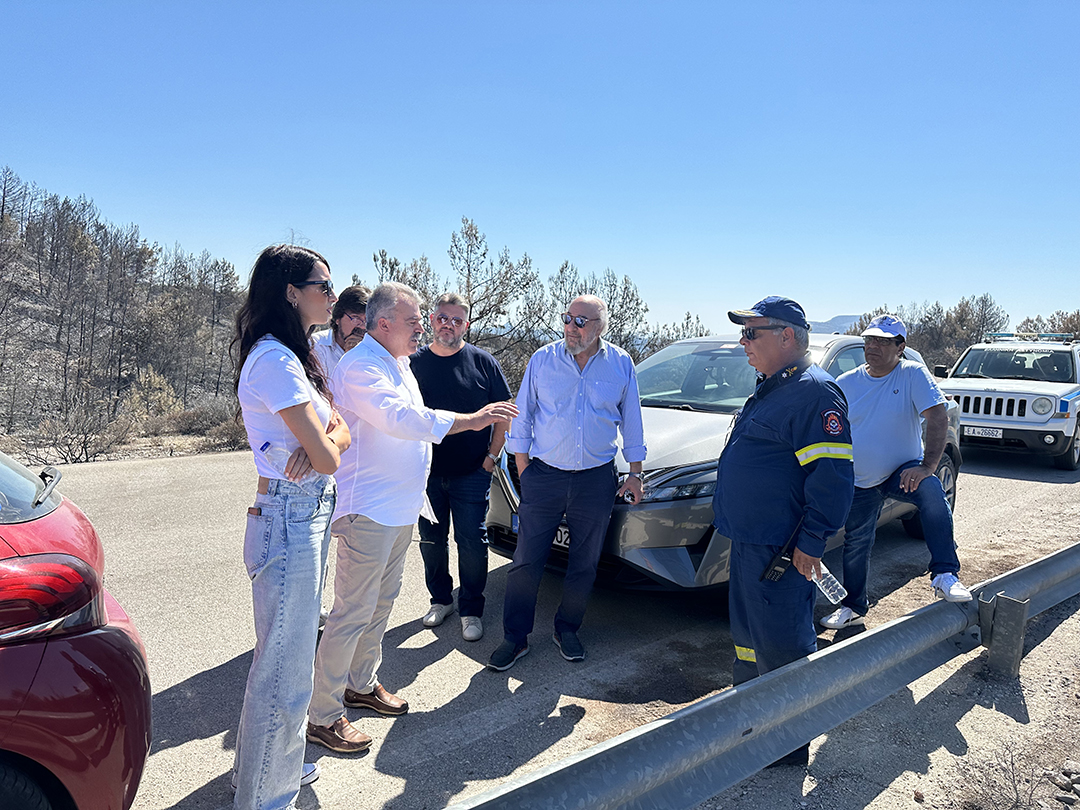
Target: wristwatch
(634,475)
(493,458)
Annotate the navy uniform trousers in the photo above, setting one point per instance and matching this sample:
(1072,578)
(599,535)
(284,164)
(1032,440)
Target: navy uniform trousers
(772,623)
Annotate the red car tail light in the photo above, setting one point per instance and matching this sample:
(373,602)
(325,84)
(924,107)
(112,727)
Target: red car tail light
(47,595)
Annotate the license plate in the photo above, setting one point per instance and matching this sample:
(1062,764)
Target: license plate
(562,537)
(985,433)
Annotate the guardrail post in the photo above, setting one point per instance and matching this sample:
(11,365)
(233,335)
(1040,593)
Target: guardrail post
(1003,621)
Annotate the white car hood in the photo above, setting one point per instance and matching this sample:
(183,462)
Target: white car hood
(677,438)
(981,385)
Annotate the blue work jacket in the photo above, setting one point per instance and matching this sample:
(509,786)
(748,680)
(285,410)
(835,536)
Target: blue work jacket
(788,459)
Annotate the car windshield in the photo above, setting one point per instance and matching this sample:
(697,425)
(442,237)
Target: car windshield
(19,488)
(695,376)
(1018,363)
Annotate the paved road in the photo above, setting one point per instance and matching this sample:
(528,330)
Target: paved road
(173,528)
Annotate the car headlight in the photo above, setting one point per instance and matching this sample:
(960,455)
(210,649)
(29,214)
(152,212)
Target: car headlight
(1042,406)
(679,491)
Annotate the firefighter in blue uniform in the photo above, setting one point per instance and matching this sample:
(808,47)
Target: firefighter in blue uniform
(784,481)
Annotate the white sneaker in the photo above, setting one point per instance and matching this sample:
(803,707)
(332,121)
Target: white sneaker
(842,617)
(949,588)
(472,629)
(435,616)
(310,773)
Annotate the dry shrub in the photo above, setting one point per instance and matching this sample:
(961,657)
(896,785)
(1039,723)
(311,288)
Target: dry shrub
(1007,781)
(228,435)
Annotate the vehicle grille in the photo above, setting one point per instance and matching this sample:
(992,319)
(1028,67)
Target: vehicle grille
(994,406)
(511,468)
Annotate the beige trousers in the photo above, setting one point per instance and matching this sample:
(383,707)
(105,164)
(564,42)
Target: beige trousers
(370,562)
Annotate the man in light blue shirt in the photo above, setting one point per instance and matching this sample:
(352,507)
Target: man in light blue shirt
(577,395)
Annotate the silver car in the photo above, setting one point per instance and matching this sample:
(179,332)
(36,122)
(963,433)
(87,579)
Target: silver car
(690,392)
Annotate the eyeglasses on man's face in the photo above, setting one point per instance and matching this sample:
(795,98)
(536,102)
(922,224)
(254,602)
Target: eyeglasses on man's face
(873,340)
(442,319)
(578,320)
(326,284)
(751,332)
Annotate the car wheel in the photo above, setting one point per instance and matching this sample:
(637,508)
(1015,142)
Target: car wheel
(16,790)
(946,473)
(1070,459)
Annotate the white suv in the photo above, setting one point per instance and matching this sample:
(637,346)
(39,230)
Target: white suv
(1019,392)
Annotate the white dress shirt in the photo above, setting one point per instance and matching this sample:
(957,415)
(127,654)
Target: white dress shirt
(327,350)
(384,472)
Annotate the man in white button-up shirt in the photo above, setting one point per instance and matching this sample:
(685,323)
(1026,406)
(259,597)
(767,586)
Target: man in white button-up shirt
(381,484)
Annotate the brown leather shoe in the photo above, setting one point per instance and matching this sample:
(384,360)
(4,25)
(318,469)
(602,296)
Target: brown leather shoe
(342,736)
(380,700)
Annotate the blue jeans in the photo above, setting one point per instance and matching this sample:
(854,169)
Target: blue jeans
(861,528)
(465,497)
(772,623)
(285,550)
(585,497)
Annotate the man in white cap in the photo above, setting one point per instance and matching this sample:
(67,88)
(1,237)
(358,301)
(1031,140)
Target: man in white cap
(886,397)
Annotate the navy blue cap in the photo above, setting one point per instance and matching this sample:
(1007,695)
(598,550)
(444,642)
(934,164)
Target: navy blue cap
(775,306)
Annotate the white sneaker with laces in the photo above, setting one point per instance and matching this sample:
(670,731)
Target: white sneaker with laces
(472,629)
(842,617)
(437,614)
(949,588)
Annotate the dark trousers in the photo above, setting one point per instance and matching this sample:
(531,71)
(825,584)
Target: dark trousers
(585,497)
(465,499)
(861,528)
(772,623)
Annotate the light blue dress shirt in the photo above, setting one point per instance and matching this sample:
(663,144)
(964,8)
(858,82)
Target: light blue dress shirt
(570,417)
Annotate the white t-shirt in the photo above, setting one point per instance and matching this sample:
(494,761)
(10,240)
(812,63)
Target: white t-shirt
(273,379)
(328,351)
(886,417)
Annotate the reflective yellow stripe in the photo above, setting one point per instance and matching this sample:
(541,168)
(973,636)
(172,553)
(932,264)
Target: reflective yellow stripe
(812,452)
(745,654)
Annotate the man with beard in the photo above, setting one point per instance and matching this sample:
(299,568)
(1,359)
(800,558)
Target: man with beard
(347,328)
(456,376)
(577,395)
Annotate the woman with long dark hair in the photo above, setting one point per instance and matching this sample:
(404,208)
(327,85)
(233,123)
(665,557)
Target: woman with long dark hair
(297,438)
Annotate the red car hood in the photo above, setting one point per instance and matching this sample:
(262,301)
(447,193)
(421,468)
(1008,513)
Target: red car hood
(66,530)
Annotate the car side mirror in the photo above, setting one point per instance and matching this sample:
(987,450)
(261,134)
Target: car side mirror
(941,371)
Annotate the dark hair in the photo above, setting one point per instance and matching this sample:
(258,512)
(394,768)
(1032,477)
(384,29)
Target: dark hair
(351,299)
(266,310)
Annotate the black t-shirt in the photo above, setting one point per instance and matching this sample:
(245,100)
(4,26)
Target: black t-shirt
(464,382)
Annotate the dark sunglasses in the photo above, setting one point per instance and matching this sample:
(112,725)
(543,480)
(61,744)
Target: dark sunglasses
(578,320)
(751,332)
(445,319)
(327,286)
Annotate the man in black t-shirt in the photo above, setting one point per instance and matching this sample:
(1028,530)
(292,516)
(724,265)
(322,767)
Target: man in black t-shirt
(457,376)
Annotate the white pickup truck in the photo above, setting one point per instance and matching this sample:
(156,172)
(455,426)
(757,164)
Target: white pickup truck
(1019,392)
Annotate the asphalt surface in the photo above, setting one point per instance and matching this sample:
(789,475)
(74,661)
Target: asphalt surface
(173,530)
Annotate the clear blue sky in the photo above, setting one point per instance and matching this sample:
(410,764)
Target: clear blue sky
(847,154)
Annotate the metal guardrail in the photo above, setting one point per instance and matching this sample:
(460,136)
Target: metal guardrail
(697,752)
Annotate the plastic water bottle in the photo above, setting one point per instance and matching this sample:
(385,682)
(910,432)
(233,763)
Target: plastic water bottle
(278,458)
(829,585)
